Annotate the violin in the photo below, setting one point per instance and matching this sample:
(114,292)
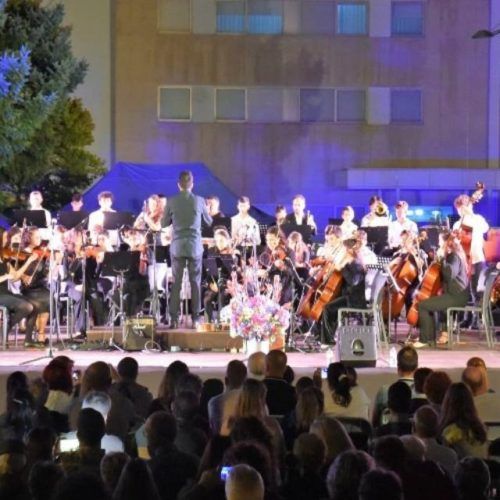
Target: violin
(13,254)
(465,231)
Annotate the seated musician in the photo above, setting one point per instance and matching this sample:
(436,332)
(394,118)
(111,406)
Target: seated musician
(455,289)
(213,207)
(34,287)
(36,203)
(352,269)
(217,290)
(367,254)
(96,218)
(276,260)
(299,216)
(76,202)
(378,214)
(151,215)
(244,228)
(301,252)
(477,262)
(18,307)
(333,243)
(402,223)
(348,227)
(280,215)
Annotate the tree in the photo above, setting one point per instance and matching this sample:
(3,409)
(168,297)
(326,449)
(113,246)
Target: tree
(44,137)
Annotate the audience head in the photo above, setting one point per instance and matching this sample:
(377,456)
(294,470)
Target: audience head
(12,457)
(90,428)
(43,478)
(111,467)
(185,406)
(257,365)
(173,373)
(276,363)
(415,448)
(236,373)
(426,422)
(399,398)
(40,391)
(80,486)
(380,484)
(211,387)
(97,377)
(309,407)
(252,399)
(473,377)
(339,383)
(244,483)
(16,380)
(345,473)
(407,361)
(333,434)
(472,479)
(458,408)
(309,450)
(40,444)
(160,429)
(58,375)
(189,383)
(389,453)
(213,453)
(252,429)
(128,369)
(98,401)
(477,362)
(289,374)
(303,383)
(419,378)
(136,482)
(436,385)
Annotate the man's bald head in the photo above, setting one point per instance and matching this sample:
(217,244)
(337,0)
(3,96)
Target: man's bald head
(474,377)
(244,483)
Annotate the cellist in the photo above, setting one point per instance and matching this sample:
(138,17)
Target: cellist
(352,268)
(455,284)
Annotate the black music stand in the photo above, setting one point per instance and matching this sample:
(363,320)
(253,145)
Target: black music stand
(36,218)
(378,237)
(162,255)
(116,220)
(215,265)
(72,219)
(120,264)
(304,229)
(337,221)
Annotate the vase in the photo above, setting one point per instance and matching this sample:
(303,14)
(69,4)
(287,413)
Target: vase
(254,345)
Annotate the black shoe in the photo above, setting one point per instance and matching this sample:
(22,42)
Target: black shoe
(174,324)
(81,337)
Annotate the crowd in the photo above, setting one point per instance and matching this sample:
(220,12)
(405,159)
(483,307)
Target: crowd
(259,434)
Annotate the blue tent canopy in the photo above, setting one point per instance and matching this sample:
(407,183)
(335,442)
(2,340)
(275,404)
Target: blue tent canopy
(132,183)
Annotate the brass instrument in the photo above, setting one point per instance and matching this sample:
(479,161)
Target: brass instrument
(381,210)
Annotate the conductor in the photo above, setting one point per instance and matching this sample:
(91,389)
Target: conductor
(184,211)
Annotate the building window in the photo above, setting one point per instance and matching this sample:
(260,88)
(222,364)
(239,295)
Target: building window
(230,104)
(351,105)
(265,17)
(318,17)
(174,15)
(317,105)
(174,103)
(230,16)
(406,106)
(352,19)
(407,18)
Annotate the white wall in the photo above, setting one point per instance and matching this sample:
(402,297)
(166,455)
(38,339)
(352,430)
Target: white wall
(494,90)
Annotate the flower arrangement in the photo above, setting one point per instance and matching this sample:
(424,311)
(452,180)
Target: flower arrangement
(257,318)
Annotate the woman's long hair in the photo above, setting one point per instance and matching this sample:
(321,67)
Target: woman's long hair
(136,481)
(310,405)
(459,409)
(252,400)
(340,384)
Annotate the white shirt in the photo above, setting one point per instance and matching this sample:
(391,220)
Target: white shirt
(59,401)
(245,230)
(348,229)
(372,220)
(368,257)
(359,407)
(96,218)
(479,227)
(396,228)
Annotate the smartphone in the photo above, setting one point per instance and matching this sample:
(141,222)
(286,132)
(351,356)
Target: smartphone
(68,445)
(224,472)
(324,372)
(76,375)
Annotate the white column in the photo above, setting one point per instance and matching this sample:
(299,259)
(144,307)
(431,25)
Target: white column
(203,16)
(378,106)
(291,17)
(494,89)
(380,18)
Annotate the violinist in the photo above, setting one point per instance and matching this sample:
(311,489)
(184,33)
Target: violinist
(477,224)
(276,260)
(366,254)
(96,218)
(19,307)
(348,227)
(151,215)
(402,223)
(353,272)
(333,243)
(34,286)
(378,215)
(244,228)
(280,215)
(301,252)
(218,287)
(455,284)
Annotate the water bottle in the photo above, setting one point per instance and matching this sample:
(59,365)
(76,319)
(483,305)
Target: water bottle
(329,356)
(393,357)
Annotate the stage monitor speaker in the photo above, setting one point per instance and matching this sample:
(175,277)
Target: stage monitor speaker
(139,331)
(357,345)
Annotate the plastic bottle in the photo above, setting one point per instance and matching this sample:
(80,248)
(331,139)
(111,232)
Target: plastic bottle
(393,357)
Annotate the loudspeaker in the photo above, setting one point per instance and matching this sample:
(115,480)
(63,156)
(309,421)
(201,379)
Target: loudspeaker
(357,345)
(138,332)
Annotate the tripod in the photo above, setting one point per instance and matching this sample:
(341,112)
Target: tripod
(120,279)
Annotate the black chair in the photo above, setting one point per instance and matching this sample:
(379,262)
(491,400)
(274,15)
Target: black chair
(360,431)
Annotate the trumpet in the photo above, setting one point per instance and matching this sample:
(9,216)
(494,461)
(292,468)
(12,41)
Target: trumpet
(381,209)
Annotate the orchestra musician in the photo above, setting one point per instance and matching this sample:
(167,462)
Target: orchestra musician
(213,206)
(352,269)
(333,243)
(465,209)
(280,215)
(455,284)
(367,255)
(35,203)
(378,215)
(276,260)
(76,202)
(301,253)
(96,218)
(185,212)
(299,216)
(216,287)
(244,228)
(402,223)
(348,227)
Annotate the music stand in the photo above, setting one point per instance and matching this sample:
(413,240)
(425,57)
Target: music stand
(304,229)
(120,264)
(115,220)
(337,221)
(72,219)
(36,218)
(162,255)
(378,237)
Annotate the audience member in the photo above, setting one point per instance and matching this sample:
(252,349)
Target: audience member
(396,418)
(80,486)
(334,435)
(414,446)
(212,388)
(12,470)
(256,365)
(472,479)
(435,386)
(166,392)
(380,484)
(40,444)
(244,483)
(478,362)
(43,479)
(136,482)
(111,467)
(20,416)
(58,375)
(419,398)
(280,394)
